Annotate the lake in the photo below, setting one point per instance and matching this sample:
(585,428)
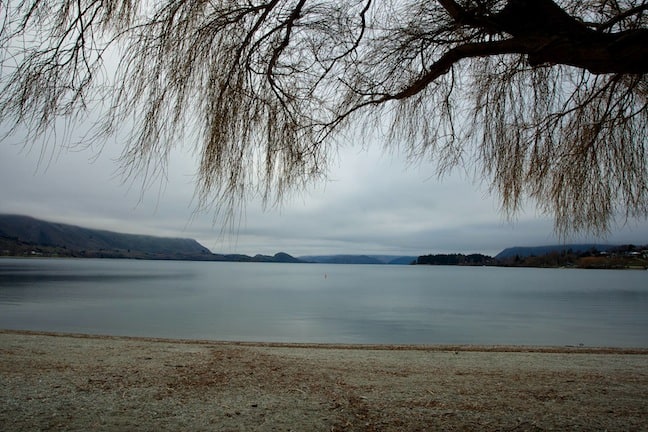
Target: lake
(365,304)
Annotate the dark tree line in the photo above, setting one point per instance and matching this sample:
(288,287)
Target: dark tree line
(456,259)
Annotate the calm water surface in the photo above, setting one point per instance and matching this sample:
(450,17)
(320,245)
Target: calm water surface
(326,303)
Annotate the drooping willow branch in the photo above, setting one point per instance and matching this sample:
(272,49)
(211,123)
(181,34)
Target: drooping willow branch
(548,98)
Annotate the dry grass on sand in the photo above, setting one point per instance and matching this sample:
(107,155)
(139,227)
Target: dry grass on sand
(73,382)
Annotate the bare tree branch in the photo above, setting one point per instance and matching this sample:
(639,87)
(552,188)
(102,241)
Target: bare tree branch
(547,99)
(637,10)
(453,56)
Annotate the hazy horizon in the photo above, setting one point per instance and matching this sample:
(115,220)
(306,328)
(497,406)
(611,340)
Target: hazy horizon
(372,202)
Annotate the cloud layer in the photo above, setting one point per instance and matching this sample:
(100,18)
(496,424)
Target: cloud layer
(372,203)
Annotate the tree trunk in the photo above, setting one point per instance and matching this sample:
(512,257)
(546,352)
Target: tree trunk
(552,36)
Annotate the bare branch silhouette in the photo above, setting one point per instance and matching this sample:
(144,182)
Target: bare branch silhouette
(547,98)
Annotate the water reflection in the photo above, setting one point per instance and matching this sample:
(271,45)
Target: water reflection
(353,304)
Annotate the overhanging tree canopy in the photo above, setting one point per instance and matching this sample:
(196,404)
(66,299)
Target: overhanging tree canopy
(547,99)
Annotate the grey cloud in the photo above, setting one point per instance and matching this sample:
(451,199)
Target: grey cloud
(372,204)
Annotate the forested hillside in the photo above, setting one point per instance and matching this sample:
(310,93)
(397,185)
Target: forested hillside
(20,235)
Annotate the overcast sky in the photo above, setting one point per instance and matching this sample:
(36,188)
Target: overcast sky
(373,203)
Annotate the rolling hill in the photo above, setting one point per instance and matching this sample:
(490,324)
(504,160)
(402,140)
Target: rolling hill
(26,233)
(28,236)
(524,252)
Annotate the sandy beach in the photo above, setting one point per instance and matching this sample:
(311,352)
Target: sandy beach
(76,382)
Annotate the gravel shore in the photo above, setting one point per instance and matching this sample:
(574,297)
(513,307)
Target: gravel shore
(76,382)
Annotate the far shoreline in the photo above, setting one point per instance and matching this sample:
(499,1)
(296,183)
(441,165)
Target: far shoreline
(566,349)
(643,267)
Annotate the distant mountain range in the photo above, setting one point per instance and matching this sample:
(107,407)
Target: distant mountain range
(524,252)
(27,236)
(359,259)
(24,235)
(35,232)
